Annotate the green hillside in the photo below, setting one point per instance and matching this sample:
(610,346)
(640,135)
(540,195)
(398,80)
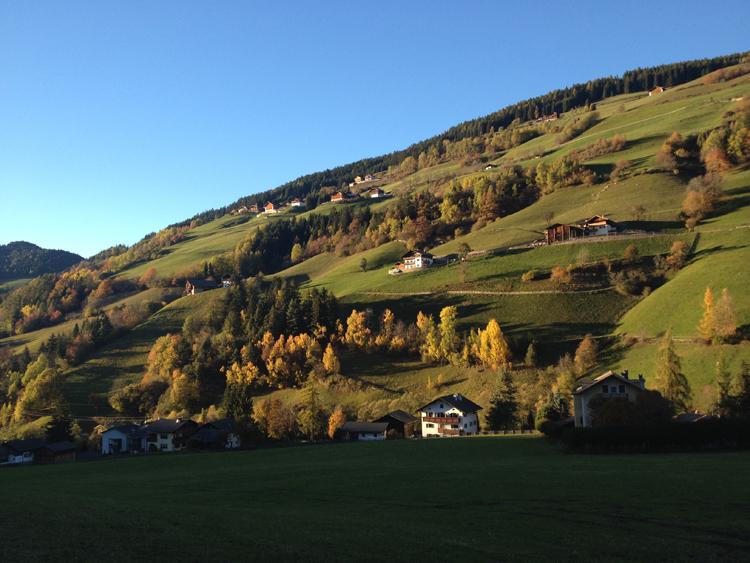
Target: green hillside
(646,200)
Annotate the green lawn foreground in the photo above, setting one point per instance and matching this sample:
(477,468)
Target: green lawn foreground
(473,499)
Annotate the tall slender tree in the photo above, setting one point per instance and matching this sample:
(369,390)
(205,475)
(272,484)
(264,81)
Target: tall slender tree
(670,380)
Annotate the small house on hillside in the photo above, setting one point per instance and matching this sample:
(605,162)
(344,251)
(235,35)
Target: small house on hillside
(22,451)
(167,435)
(608,385)
(656,90)
(598,225)
(197,285)
(56,452)
(218,434)
(363,431)
(416,259)
(376,193)
(269,208)
(450,415)
(122,439)
(400,424)
(226,281)
(358,180)
(370,178)
(254,208)
(297,202)
(338,197)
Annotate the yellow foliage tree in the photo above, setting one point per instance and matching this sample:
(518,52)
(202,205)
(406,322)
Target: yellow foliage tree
(707,325)
(336,421)
(330,361)
(494,351)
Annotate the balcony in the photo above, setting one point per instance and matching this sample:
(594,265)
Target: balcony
(441,419)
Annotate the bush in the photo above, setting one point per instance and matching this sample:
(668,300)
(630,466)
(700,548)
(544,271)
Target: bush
(529,276)
(709,434)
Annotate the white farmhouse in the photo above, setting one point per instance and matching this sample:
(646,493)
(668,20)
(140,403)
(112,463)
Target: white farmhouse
(168,435)
(415,260)
(451,415)
(608,385)
(598,225)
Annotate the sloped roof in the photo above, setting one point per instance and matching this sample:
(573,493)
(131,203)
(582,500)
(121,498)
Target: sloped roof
(21,446)
(372,427)
(416,253)
(167,425)
(604,377)
(457,401)
(401,416)
(132,429)
(59,447)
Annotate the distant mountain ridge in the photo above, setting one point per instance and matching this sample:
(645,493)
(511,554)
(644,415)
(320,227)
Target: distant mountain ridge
(21,259)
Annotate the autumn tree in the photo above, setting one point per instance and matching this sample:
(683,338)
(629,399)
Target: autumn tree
(358,334)
(670,381)
(296,253)
(530,358)
(494,351)
(449,340)
(585,357)
(331,361)
(336,421)
(707,325)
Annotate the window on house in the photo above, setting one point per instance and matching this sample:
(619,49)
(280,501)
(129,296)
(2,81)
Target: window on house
(605,389)
(163,436)
(622,389)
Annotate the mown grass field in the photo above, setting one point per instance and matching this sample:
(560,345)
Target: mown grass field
(469,499)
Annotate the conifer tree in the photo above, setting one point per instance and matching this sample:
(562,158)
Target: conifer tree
(503,413)
(670,381)
(530,359)
(494,351)
(331,361)
(336,421)
(449,340)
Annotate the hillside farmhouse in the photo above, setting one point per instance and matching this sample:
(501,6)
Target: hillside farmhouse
(197,285)
(343,197)
(364,431)
(608,385)
(226,281)
(656,90)
(376,193)
(416,260)
(451,415)
(297,202)
(269,208)
(168,435)
(254,208)
(598,225)
(400,423)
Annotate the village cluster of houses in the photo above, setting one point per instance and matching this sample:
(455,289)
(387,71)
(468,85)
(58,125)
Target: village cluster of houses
(446,416)
(269,208)
(598,225)
(162,435)
(360,180)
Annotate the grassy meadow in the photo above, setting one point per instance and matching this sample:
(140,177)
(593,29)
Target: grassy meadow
(476,499)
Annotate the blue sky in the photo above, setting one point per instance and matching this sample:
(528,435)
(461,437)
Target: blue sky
(118,118)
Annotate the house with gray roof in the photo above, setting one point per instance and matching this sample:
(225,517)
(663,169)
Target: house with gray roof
(450,415)
(609,385)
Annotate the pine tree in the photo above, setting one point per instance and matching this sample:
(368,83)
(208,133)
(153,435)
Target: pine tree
(503,413)
(707,326)
(530,359)
(723,382)
(670,380)
(309,417)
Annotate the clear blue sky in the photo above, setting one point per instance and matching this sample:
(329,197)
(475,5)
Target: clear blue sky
(118,118)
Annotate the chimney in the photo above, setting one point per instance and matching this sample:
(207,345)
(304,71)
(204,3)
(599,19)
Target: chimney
(625,373)
(641,381)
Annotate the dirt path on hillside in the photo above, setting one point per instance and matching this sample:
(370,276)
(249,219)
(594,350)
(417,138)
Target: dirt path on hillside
(479,292)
